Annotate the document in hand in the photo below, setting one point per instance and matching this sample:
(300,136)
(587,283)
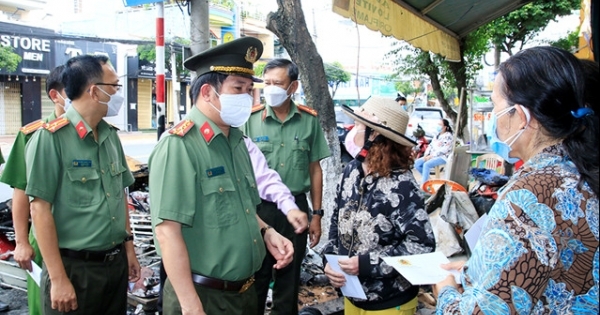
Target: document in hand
(352,288)
(422,269)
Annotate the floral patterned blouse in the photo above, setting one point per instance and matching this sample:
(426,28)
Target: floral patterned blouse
(378,217)
(440,146)
(538,251)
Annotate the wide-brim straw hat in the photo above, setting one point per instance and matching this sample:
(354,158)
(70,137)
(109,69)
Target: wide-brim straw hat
(393,120)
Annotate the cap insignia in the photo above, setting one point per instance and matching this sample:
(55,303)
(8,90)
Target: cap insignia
(251,54)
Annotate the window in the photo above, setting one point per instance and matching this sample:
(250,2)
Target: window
(77,6)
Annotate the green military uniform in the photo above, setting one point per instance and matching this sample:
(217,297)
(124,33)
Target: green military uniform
(15,176)
(289,147)
(204,180)
(85,186)
(1,158)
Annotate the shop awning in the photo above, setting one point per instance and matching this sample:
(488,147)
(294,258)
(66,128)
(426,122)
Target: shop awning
(433,25)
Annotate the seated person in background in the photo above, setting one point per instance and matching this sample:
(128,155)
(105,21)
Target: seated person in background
(437,152)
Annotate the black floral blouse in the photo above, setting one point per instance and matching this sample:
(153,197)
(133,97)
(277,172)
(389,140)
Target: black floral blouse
(378,217)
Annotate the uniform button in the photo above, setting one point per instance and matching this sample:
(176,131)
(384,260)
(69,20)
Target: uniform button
(254,241)
(247,211)
(282,144)
(220,189)
(83,179)
(113,218)
(113,243)
(102,171)
(281,164)
(238,180)
(107,194)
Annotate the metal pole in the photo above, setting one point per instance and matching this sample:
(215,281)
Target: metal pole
(175,85)
(160,69)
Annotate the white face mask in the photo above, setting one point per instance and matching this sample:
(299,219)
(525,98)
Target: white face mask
(235,108)
(66,101)
(275,96)
(114,103)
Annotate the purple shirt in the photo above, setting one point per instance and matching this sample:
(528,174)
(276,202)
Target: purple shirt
(269,184)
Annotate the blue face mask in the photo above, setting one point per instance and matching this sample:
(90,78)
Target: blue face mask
(438,128)
(502,148)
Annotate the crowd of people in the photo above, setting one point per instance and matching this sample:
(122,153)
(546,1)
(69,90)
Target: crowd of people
(229,184)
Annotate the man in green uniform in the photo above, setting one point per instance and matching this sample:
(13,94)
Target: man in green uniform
(14,175)
(204,194)
(292,140)
(78,206)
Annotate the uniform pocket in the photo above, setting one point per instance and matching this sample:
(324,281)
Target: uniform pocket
(85,187)
(300,151)
(218,205)
(265,147)
(116,172)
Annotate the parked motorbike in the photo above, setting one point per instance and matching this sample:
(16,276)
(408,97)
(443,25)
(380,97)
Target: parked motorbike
(422,142)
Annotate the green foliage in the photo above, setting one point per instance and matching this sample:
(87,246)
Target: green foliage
(406,87)
(258,68)
(148,52)
(9,61)
(520,26)
(335,74)
(569,42)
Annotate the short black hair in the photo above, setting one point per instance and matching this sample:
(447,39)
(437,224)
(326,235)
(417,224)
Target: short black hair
(292,68)
(400,98)
(54,80)
(215,79)
(81,71)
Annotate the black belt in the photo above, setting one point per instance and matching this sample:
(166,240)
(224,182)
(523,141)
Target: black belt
(218,284)
(88,255)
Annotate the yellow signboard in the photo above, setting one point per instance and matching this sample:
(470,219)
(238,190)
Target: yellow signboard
(391,19)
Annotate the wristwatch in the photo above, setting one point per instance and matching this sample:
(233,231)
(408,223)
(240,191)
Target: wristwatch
(128,238)
(264,229)
(318,212)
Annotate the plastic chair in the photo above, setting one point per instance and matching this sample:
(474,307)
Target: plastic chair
(432,185)
(490,161)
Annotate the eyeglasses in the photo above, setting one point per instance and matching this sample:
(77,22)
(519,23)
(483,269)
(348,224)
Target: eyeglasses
(116,86)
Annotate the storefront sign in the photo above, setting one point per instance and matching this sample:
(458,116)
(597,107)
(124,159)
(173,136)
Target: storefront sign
(35,53)
(66,49)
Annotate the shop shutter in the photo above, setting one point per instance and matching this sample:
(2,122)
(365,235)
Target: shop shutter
(144,104)
(10,113)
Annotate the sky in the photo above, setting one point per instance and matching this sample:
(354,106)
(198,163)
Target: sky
(337,38)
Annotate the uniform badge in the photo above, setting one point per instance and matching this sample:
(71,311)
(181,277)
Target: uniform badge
(219,170)
(56,124)
(81,129)
(251,54)
(82,163)
(206,131)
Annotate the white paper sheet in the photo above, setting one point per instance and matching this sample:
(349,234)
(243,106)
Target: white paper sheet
(472,235)
(35,273)
(352,288)
(422,269)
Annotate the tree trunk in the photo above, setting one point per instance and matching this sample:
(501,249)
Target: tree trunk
(459,71)
(289,25)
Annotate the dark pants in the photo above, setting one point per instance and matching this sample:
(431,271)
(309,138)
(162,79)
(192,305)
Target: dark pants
(214,302)
(100,287)
(286,280)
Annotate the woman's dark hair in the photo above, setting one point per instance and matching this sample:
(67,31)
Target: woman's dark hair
(447,125)
(386,155)
(560,92)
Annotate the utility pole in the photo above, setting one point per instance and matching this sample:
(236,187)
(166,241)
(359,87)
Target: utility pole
(199,26)
(175,83)
(160,69)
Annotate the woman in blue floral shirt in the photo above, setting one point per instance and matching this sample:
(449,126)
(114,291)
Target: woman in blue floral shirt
(538,251)
(379,212)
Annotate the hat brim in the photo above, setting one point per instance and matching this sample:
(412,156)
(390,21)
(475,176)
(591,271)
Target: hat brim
(383,130)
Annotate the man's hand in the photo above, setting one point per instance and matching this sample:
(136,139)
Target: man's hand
(134,265)
(315,230)
(298,219)
(337,279)
(280,247)
(62,295)
(23,254)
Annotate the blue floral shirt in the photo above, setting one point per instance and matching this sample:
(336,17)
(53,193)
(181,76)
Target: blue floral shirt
(538,251)
(379,217)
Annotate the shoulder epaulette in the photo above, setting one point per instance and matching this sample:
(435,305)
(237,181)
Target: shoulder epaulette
(115,127)
(307,109)
(32,126)
(257,108)
(182,128)
(56,124)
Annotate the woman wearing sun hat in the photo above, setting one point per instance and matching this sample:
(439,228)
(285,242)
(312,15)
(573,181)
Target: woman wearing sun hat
(379,212)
